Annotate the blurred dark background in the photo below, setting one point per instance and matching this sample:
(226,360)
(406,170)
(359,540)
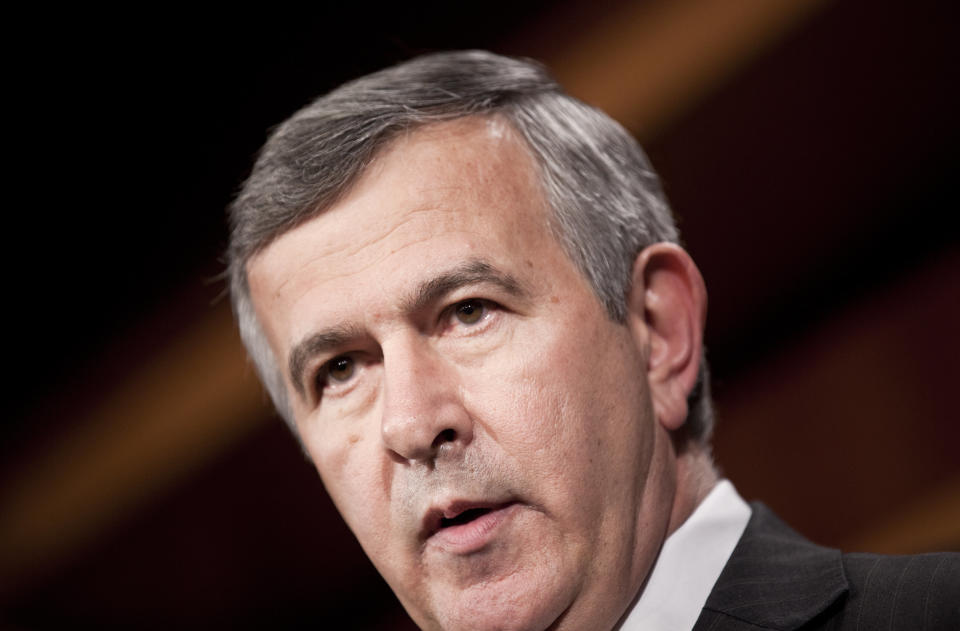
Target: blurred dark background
(808,147)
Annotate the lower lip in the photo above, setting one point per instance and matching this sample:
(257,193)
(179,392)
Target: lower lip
(475,535)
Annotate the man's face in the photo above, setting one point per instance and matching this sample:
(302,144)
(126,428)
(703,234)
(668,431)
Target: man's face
(482,425)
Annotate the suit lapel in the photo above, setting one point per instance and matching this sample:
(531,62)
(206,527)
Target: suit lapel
(774,579)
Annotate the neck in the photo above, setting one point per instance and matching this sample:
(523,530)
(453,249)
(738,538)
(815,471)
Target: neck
(696,477)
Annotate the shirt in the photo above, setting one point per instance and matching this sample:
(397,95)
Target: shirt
(689,563)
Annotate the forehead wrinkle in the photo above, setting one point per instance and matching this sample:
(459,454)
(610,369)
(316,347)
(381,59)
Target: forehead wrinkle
(484,172)
(347,248)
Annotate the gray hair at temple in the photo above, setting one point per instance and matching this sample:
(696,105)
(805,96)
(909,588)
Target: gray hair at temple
(606,199)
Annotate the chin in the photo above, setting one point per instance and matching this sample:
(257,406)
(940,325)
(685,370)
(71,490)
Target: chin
(532,616)
(521,601)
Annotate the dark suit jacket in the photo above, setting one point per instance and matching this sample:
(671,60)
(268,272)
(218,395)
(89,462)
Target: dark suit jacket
(776,579)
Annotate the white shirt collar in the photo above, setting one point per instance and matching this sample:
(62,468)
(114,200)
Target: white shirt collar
(690,563)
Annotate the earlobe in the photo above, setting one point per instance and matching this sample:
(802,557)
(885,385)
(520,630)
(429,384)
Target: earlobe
(667,312)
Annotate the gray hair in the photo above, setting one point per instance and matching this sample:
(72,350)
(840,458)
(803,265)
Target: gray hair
(606,199)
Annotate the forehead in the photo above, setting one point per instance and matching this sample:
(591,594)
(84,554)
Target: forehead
(439,195)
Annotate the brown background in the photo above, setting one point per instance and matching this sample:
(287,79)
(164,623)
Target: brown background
(808,148)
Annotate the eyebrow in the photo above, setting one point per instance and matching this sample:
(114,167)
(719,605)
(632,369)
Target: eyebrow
(470,273)
(428,292)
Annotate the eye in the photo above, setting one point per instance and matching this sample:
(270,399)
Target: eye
(338,370)
(470,311)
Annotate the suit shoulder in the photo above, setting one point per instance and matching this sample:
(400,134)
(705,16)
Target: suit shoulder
(919,591)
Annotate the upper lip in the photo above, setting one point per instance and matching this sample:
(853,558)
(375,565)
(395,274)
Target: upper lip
(435,515)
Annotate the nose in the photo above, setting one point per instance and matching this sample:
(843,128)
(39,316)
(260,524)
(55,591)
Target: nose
(423,413)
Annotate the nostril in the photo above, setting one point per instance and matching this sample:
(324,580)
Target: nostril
(446,436)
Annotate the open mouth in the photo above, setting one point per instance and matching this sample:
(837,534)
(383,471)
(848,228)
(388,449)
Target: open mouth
(465,527)
(465,517)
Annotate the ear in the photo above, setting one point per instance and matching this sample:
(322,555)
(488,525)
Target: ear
(667,310)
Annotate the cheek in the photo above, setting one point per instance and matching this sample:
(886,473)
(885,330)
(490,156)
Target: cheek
(349,471)
(558,403)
